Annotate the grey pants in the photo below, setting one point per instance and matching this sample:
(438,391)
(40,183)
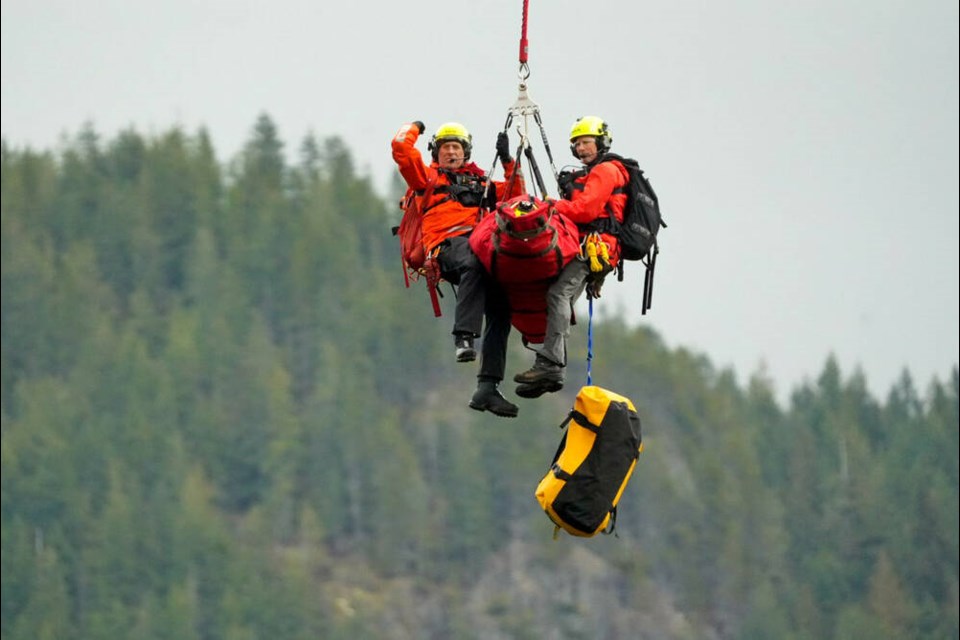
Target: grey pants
(560,300)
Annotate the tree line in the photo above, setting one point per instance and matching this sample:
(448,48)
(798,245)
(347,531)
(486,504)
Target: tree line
(224,416)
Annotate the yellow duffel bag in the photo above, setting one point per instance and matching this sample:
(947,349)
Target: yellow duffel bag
(593,463)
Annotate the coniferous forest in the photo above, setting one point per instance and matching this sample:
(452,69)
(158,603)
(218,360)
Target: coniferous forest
(225,418)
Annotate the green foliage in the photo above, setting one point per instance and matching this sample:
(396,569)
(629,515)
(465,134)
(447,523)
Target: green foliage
(223,416)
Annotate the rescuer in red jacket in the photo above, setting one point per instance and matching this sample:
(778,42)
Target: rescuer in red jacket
(592,197)
(450,214)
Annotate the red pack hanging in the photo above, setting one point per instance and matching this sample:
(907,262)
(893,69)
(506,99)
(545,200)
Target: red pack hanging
(414,259)
(525,245)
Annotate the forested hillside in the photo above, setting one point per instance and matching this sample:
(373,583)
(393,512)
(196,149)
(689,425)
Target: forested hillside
(224,417)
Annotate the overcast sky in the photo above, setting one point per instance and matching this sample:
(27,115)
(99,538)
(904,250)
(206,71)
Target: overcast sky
(805,152)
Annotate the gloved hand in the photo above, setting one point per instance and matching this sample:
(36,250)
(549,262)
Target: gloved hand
(419,124)
(594,284)
(503,147)
(565,184)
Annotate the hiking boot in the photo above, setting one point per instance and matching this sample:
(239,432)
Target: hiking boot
(464,344)
(487,397)
(536,389)
(543,370)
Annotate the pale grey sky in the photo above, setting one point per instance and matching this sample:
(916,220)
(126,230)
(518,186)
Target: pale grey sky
(805,153)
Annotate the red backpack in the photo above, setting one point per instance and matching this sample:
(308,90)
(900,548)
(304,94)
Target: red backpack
(413,255)
(524,245)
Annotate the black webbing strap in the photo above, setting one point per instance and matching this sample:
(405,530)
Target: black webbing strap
(581,419)
(528,151)
(560,473)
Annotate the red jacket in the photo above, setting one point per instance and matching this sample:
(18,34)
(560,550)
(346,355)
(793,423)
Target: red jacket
(597,194)
(443,215)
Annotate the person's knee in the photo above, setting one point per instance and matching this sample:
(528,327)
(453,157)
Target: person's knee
(557,298)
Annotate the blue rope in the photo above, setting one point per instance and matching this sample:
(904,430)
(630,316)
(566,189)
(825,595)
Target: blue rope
(590,343)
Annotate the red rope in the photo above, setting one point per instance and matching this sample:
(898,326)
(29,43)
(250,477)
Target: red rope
(523,34)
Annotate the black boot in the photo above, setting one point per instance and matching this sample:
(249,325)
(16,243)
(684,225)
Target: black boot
(537,389)
(463,342)
(487,397)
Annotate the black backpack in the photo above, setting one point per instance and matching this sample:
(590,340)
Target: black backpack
(641,216)
(637,234)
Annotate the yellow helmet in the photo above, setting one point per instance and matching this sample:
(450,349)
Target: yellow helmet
(591,126)
(448,132)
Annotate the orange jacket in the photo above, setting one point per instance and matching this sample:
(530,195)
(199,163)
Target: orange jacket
(444,216)
(598,194)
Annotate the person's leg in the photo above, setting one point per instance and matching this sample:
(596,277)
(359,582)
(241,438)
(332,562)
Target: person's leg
(551,357)
(471,294)
(493,358)
(561,296)
(459,265)
(496,333)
